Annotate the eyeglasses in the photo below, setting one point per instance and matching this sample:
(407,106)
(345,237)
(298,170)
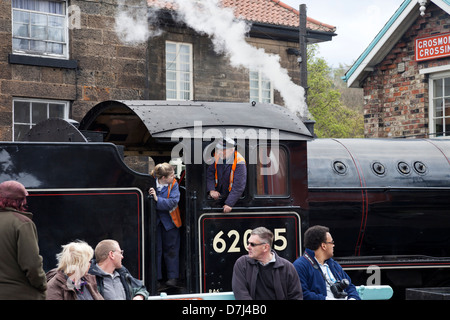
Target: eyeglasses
(121,251)
(329,242)
(252,244)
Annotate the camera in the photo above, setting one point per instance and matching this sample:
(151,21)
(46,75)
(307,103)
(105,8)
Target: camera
(338,287)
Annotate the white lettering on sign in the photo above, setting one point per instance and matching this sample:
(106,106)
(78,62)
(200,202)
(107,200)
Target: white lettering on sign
(433,47)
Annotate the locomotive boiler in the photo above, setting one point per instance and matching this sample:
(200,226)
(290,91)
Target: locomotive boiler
(387,204)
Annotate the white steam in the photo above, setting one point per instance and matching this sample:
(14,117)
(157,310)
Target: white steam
(132,22)
(228,35)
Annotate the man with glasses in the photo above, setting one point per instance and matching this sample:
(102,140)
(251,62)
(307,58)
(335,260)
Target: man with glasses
(114,281)
(262,274)
(321,277)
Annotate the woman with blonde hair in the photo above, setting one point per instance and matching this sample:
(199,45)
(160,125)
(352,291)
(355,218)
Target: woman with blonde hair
(70,280)
(166,194)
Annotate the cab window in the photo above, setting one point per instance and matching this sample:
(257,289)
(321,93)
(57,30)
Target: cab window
(272,171)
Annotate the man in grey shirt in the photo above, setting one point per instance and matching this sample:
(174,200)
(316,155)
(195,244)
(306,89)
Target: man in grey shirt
(114,281)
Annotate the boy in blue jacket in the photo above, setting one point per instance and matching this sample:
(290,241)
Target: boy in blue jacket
(319,274)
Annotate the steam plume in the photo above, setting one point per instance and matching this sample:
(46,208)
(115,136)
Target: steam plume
(228,35)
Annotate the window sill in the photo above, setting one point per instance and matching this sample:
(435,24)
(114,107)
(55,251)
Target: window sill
(42,62)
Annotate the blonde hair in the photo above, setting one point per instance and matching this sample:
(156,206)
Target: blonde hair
(162,170)
(103,248)
(74,259)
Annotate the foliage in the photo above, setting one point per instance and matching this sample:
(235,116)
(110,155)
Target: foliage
(333,119)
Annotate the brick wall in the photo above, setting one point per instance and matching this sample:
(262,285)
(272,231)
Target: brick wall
(395,94)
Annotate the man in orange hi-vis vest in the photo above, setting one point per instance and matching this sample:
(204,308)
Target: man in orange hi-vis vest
(227,176)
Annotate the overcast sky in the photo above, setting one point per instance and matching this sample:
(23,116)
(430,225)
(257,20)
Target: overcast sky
(357,22)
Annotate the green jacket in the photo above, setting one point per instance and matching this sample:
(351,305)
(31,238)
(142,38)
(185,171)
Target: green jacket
(21,273)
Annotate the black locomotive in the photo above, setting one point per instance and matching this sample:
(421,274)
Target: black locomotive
(385,201)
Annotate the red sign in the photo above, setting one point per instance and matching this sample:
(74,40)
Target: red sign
(433,47)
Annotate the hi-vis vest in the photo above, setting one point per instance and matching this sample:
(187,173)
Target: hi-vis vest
(238,158)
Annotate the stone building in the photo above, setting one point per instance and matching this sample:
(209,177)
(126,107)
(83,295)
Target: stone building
(405,73)
(60,58)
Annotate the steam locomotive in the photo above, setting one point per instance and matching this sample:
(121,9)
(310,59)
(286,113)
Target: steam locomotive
(385,201)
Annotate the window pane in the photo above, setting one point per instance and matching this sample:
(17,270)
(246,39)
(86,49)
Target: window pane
(439,127)
(55,48)
(21,17)
(21,111)
(39,112)
(437,106)
(20,44)
(20,130)
(447,87)
(437,88)
(185,96)
(447,108)
(171,94)
(272,171)
(21,30)
(39,33)
(171,85)
(56,110)
(55,34)
(39,19)
(184,49)
(38,46)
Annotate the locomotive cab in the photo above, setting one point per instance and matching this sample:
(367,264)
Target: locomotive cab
(270,138)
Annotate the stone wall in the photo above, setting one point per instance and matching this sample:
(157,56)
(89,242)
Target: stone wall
(106,68)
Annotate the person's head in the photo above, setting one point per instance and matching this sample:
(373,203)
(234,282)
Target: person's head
(13,195)
(319,238)
(74,259)
(164,172)
(108,251)
(225,148)
(260,243)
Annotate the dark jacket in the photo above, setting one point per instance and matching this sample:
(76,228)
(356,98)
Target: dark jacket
(59,290)
(21,272)
(131,285)
(313,283)
(223,176)
(285,278)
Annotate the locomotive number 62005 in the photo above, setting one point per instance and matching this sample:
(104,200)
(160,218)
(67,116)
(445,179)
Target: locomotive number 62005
(220,245)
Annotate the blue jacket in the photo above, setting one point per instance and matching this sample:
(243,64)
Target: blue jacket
(164,205)
(313,284)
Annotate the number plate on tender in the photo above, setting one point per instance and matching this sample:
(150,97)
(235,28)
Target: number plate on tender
(223,239)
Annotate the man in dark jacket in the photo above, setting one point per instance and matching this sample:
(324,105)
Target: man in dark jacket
(318,272)
(21,272)
(227,176)
(262,274)
(114,281)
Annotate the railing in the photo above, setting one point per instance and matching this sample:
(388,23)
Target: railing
(365,292)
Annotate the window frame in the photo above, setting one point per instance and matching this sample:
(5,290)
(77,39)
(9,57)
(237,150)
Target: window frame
(178,71)
(432,119)
(260,80)
(66,106)
(46,53)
